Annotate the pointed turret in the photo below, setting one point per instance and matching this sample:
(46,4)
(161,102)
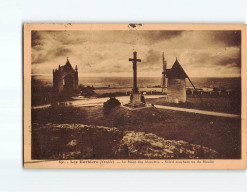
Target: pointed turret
(67,62)
(76,68)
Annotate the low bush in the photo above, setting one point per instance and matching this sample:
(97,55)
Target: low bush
(110,104)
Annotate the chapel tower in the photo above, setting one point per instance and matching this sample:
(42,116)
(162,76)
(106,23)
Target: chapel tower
(65,78)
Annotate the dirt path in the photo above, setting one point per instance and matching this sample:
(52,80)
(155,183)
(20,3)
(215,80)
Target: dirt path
(198,111)
(95,101)
(125,100)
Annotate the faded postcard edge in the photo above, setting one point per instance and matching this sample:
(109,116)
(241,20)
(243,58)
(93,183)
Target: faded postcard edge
(118,164)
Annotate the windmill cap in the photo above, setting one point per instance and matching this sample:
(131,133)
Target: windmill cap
(177,72)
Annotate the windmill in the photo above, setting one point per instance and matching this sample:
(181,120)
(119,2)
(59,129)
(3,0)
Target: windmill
(164,75)
(174,82)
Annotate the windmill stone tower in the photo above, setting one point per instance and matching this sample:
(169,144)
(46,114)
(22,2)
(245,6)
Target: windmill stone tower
(176,88)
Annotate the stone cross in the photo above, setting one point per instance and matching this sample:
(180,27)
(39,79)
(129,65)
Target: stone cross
(135,60)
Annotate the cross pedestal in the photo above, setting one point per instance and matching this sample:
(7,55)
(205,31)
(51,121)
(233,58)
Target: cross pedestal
(136,98)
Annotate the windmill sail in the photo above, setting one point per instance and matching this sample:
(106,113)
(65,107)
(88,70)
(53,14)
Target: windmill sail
(164,74)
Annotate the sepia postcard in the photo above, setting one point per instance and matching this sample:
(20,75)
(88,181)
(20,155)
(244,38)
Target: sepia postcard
(135,96)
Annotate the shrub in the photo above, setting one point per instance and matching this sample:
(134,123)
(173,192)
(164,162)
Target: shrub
(110,104)
(87,91)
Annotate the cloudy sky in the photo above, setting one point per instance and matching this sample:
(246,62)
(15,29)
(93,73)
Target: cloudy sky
(106,53)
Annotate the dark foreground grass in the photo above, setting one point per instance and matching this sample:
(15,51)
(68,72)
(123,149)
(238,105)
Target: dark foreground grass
(78,141)
(218,133)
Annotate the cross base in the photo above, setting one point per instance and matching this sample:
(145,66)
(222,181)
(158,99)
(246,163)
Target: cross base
(135,90)
(136,100)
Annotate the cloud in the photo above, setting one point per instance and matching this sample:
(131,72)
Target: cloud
(229,61)
(155,36)
(68,37)
(229,38)
(221,57)
(107,52)
(35,38)
(152,57)
(50,54)
(151,61)
(61,51)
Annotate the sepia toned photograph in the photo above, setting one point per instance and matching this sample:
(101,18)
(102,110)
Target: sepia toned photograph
(134,96)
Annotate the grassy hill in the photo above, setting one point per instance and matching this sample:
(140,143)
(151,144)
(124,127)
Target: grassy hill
(218,133)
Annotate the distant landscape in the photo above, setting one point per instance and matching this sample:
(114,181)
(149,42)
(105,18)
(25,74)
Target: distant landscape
(126,82)
(218,94)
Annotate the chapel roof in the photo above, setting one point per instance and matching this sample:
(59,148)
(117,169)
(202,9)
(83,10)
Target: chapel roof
(67,66)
